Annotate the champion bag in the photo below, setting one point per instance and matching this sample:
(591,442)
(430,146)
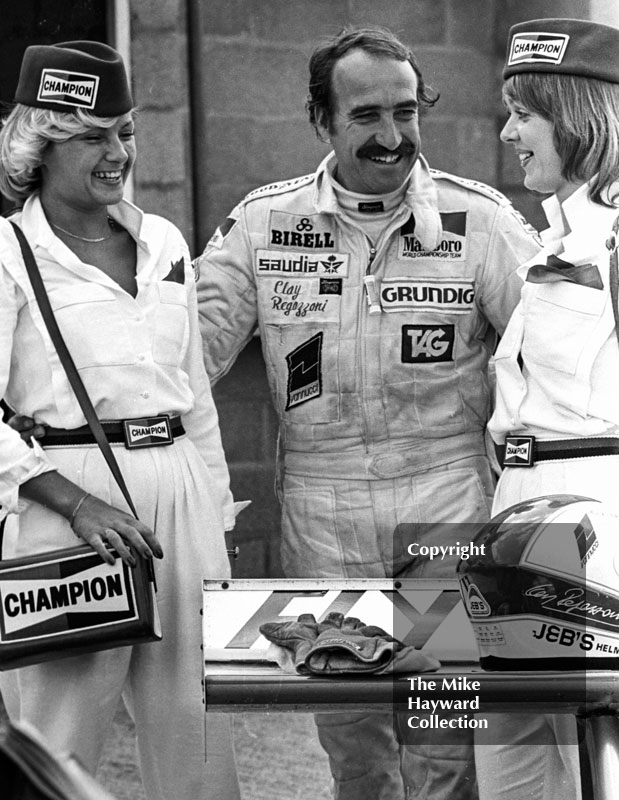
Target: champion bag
(65,602)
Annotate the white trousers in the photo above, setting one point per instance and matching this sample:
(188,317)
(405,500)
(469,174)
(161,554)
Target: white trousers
(73,701)
(537,756)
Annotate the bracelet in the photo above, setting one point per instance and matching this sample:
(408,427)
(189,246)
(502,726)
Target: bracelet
(77,508)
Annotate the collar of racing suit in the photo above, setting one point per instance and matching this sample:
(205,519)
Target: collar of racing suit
(420,198)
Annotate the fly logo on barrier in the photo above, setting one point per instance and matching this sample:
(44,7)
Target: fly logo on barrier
(431,617)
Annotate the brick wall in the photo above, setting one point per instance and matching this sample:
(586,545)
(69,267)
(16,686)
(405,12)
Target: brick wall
(255,55)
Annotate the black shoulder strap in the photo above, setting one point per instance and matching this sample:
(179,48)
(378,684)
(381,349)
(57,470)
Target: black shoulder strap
(69,365)
(613,278)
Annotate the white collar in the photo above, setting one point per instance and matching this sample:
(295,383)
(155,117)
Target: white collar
(420,198)
(39,232)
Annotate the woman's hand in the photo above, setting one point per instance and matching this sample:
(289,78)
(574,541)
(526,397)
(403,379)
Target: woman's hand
(26,427)
(100,524)
(96,522)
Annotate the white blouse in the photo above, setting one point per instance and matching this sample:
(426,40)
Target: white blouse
(137,356)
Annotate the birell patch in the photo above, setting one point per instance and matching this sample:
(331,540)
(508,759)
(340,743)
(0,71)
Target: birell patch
(68,88)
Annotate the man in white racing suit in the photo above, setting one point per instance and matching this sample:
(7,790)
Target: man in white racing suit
(378,287)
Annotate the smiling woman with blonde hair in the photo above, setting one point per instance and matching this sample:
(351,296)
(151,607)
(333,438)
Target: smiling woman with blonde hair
(122,289)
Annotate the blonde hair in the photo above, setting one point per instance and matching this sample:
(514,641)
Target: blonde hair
(26,133)
(585,117)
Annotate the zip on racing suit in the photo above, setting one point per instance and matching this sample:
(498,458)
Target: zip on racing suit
(376,356)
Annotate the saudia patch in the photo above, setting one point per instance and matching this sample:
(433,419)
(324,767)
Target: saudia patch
(68,88)
(537,48)
(305,372)
(452,245)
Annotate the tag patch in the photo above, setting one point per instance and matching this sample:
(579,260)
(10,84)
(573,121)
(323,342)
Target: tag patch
(147,432)
(403,294)
(519,451)
(330,286)
(453,239)
(537,48)
(276,262)
(68,88)
(305,372)
(301,232)
(427,344)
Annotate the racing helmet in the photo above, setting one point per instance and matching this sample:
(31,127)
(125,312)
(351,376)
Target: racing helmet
(541,586)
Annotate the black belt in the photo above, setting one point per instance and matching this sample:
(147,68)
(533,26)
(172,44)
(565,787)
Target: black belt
(525,451)
(133,433)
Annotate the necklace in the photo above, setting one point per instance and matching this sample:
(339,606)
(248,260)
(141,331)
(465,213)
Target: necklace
(85,238)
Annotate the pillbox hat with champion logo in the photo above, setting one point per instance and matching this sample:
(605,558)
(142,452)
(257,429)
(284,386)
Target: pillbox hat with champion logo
(563,46)
(70,75)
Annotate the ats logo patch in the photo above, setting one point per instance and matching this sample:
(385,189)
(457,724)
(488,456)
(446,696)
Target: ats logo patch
(427,344)
(305,372)
(586,539)
(453,239)
(304,232)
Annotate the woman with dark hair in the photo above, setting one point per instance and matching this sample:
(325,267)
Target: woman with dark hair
(123,292)
(557,364)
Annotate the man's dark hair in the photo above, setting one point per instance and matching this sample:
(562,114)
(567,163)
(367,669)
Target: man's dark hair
(378,42)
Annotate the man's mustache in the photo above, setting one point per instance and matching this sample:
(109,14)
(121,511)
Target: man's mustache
(373,150)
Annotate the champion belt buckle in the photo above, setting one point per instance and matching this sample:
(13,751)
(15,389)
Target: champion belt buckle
(147,432)
(519,451)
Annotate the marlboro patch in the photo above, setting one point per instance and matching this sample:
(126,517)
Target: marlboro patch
(64,602)
(68,88)
(147,432)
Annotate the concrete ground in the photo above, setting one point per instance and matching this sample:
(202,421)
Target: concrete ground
(278,758)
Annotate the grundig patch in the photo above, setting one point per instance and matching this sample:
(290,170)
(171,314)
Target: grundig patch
(305,372)
(448,295)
